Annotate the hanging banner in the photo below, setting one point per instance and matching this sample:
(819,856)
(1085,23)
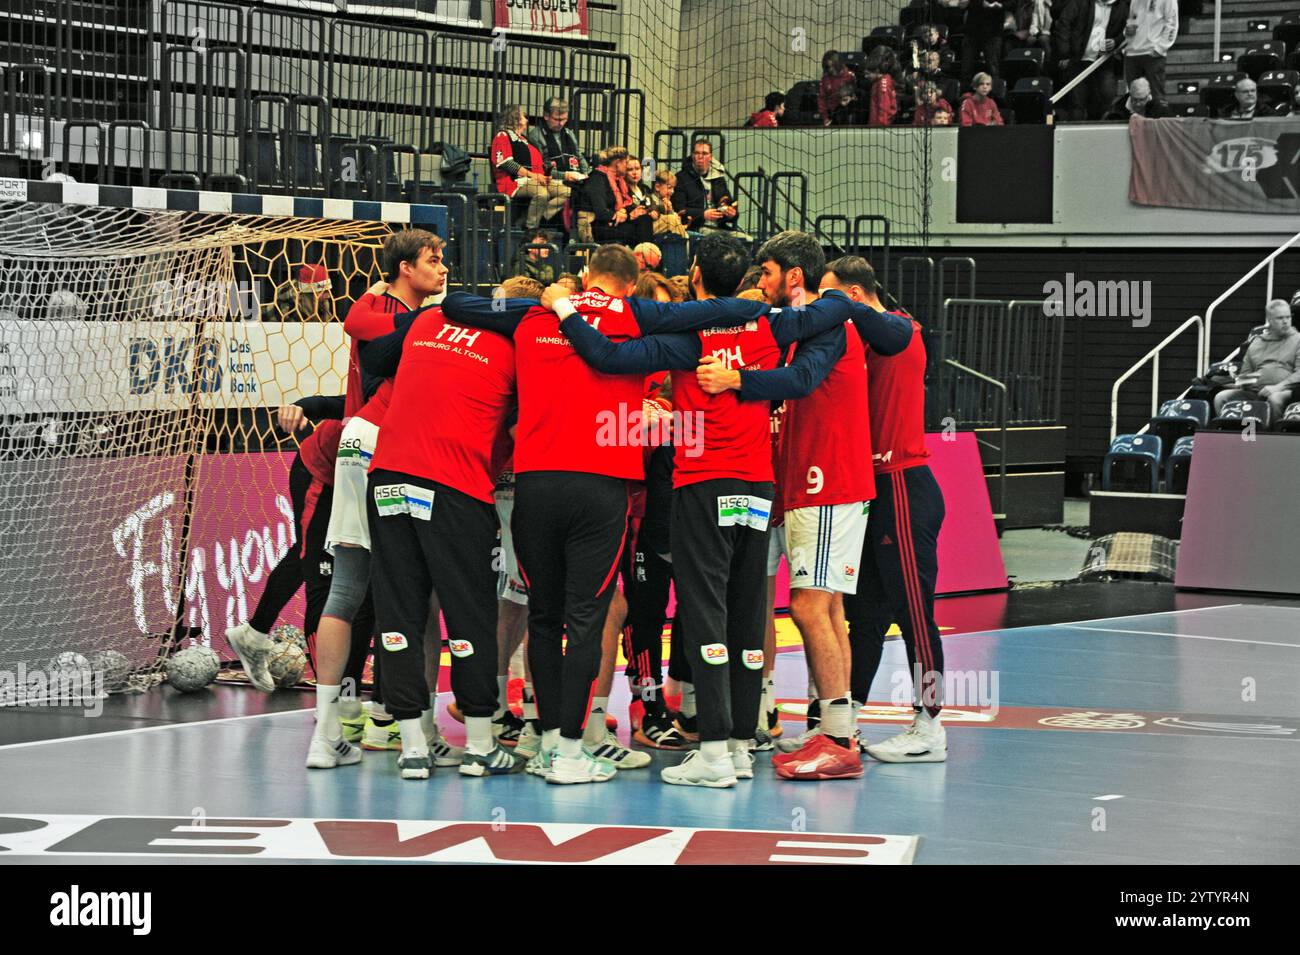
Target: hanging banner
(455,12)
(1220,165)
(567,18)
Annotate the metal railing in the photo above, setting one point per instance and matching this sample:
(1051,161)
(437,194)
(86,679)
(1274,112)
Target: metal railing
(1153,356)
(1203,356)
(1000,512)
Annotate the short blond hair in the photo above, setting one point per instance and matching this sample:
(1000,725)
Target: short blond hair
(521,286)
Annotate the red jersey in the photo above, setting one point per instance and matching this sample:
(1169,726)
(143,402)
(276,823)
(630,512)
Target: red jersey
(370,317)
(896,384)
(775,421)
(720,436)
(453,390)
(320,449)
(571,417)
(826,439)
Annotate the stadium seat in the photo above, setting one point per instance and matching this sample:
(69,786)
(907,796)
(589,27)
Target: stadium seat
(1236,415)
(1018,64)
(1178,419)
(1290,423)
(913,30)
(1218,94)
(915,13)
(1293,60)
(999,92)
(1288,31)
(893,37)
(1276,86)
(1031,99)
(1191,109)
(1258,60)
(1178,466)
(801,105)
(1132,464)
(950,89)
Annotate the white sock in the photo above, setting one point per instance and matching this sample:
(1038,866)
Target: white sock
(478,735)
(327,711)
(502,682)
(349,708)
(433,702)
(837,718)
(414,742)
(379,713)
(688,700)
(550,739)
(712,750)
(530,702)
(738,746)
(569,748)
(517,662)
(429,726)
(595,729)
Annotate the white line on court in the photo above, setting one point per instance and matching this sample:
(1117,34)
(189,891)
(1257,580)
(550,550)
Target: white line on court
(1181,636)
(1041,626)
(149,729)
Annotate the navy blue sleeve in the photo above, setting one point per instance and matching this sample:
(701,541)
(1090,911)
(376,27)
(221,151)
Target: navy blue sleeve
(637,356)
(657,318)
(380,356)
(813,361)
(790,324)
(501,315)
(883,333)
(322,407)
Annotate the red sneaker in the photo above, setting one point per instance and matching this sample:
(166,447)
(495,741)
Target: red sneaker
(635,714)
(611,721)
(821,758)
(789,749)
(515,696)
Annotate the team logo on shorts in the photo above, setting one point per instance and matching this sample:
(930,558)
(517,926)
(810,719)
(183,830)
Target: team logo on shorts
(714,652)
(460,648)
(850,571)
(393,640)
(753,659)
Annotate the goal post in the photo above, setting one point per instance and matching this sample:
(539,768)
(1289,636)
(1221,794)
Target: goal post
(146,337)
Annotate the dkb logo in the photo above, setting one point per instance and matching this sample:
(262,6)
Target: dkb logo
(168,363)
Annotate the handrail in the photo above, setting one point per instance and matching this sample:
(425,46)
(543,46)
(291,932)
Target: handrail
(1203,360)
(1154,356)
(1002,415)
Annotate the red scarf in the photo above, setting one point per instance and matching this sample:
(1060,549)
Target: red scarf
(618,184)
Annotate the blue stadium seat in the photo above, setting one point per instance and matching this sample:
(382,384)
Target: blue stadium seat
(1258,60)
(1235,416)
(1290,423)
(1178,419)
(1276,86)
(1179,466)
(1132,464)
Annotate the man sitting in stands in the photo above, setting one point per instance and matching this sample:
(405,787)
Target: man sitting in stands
(1268,371)
(1247,100)
(1137,102)
(702,198)
(561,157)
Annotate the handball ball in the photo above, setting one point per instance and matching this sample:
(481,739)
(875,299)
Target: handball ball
(286,663)
(115,667)
(192,669)
(68,662)
(288,633)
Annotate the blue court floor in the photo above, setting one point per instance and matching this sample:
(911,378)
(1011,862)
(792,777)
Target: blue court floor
(1160,738)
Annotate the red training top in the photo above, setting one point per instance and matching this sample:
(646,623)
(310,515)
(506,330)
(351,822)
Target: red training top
(507,147)
(979,114)
(369,318)
(320,449)
(884,102)
(453,390)
(896,384)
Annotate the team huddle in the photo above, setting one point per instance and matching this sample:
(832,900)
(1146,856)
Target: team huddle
(595,437)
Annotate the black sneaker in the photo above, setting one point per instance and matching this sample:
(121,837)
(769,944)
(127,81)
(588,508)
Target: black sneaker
(686,725)
(658,732)
(507,728)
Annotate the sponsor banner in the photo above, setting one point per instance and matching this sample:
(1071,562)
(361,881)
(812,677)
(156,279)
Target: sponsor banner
(1079,720)
(123,837)
(65,366)
(1222,165)
(567,18)
(454,12)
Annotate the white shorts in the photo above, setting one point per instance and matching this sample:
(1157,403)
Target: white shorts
(775,550)
(824,545)
(510,585)
(348,512)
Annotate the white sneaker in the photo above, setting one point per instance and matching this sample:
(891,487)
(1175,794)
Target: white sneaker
(618,754)
(324,754)
(539,764)
(415,766)
(694,770)
(791,743)
(742,761)
(530,742)
(254,649)
(580,769)
(444,754)
(923,742)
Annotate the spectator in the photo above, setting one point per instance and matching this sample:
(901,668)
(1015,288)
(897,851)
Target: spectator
(1034,25)
(642,194)
(1291,107)
(750,281)
(1138,101)
(647,256)
(307,298)
(983,33)
(929,105)
(1151,30)
(561,157)
(653,285)
(534,263)
(1247,94)
(835,76)
(769,116)
(1268,371)
(701,197)
(977,108)
(848,112)
(881,69)
(617,217)
(928,37)
(667,221)
(682,287)
(518,171)
(1083,32)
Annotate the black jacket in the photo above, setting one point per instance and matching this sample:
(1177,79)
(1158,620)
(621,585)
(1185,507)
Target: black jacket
(691,192)
(598,197)
(983,20)
(1073,26)
(1119,109)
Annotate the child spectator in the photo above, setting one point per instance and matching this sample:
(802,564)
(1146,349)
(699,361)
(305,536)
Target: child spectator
(667,219)
(835,76)
(929,105)
(768,117)
(977,109)
(881,69)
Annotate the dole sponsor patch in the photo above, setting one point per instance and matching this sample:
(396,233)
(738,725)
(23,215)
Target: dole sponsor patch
(460,648)
(753,659)
(714,653)
(393,640)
